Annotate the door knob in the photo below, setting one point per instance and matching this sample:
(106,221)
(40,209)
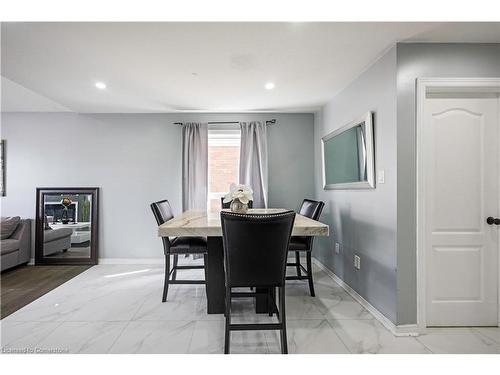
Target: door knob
(493,220)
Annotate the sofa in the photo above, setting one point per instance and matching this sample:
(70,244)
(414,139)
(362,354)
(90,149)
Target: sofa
(16,249)
(56,240)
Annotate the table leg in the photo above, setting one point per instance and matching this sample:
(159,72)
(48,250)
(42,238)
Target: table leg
(215,276)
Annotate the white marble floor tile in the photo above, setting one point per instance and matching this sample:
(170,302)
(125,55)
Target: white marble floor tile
(24,334)
(248,342)
(176,307)
(208,338)
(52,307)
(369,336)
(118,308)
(104,279)
(152,337)
(308,336)
(296,289)
(340,306)
(201,311)
(242,306)
(458,341)
(176,292)
(492,333)
(83,337)
(79,302)
(301,289)
(252,317)
(302,307)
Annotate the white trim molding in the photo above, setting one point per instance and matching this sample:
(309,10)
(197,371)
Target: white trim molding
(152,261)
(122,261)
(440,87)
(131,261)
(396,330)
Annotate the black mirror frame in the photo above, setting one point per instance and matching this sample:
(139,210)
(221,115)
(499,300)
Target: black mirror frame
(39,224)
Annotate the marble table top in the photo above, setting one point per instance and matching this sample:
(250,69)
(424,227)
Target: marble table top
(207,223)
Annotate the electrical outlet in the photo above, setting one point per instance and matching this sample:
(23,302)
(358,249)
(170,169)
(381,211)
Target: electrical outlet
(357,262)
(337,248)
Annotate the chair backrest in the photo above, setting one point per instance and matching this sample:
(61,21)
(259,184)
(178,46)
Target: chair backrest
(163,213)
(311,208)
(256,247)
(228,204)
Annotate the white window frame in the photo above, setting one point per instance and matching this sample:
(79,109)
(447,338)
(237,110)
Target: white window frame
(221,136)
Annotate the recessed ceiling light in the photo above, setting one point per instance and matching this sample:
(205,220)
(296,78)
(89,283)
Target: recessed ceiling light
(269,86)
(100,85)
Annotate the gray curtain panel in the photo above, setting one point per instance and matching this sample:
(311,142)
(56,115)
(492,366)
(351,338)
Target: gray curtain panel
(253,160)
(194,166)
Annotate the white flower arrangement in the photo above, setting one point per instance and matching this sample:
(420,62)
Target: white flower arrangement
(241,192)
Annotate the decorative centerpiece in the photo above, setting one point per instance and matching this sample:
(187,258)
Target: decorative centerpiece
(239,196)
(66,202)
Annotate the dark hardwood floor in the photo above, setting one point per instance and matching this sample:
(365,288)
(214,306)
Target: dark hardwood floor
(22,285)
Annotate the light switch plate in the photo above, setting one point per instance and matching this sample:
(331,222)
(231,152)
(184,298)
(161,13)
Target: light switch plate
(337,248)
(381,176)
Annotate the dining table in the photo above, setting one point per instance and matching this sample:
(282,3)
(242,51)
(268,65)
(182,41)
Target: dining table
(208,224)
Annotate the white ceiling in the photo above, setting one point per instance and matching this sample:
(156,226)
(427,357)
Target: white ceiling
(214,67)
(17,98)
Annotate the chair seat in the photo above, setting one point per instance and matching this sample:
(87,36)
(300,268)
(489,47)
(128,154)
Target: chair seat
(188,245)
(299,243)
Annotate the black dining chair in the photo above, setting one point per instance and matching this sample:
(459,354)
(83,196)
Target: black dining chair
(178,246)
(311,209)
(255,253)
(228,204)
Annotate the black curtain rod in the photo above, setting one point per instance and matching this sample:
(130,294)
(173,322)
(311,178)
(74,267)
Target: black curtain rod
(268,122)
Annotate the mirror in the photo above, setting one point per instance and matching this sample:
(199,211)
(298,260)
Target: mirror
(66,226)
(348,156)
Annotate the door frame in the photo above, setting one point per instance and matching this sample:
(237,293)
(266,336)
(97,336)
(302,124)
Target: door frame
(441,87)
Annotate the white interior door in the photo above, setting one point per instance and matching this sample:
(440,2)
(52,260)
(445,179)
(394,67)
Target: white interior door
(461,189)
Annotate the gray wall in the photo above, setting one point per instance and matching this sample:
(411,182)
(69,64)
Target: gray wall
(424,60)
(380,225)
(135,159)
(364,222)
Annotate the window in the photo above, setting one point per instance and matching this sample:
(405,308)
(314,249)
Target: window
(223,163)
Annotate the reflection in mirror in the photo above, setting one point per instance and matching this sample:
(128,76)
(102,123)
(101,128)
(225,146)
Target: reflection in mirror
(67,226)
(67,229)
(348,160)
(348,151)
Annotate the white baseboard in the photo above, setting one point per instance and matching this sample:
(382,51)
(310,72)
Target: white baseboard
(396,330)
(126,261)
(131,261)
(182,260)
(122,261)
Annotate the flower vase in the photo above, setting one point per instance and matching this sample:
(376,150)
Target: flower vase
(238,206)
(64,217)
